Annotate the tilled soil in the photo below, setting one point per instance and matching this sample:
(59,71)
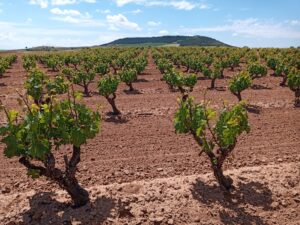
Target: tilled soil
(141,150)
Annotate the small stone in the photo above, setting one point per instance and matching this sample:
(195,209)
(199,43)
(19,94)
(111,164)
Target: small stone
(197,219)
(159,169)
(279,160)
(126,172)
(11,223)
(6,190)
(284,203)
(297,200)
(274,205)
(170,221)
(176,187)
(120,189)
(295,193)
(158,219)
(110,219)
(186,195)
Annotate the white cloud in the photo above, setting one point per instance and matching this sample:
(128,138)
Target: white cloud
(80,21)
(205,6)
(67,19)
(183,5)
(71,12)
(20,35)
(295,22)
(134,12)
(153,23)
(120,21)
(163,32)
(75,17)
(177,4)
(42,3)
(251,27)
(63,2)
(70,2)
(121,3)
(137,11)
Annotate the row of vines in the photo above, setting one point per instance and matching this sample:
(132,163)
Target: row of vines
(53,115)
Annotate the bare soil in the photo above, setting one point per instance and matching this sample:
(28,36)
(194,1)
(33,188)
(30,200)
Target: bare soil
(139,171)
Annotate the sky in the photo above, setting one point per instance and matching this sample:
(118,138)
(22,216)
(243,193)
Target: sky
(67,23)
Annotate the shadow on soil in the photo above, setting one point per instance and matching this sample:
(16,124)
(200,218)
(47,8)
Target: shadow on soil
(141,80)
(259,87)
(134,92)
(119,119)
(220,88)
(5,76)
(202,78)
(234,205)
(217,89)
(253,109)
(44,209)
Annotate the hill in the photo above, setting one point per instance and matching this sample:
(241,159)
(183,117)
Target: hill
(167,40)
(142,41)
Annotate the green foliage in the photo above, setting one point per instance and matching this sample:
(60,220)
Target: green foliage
(55,123)
(164,65)
(179,80)
(281,69)
(190,118)
(252,57)
(68,73)
(29,63)
(272,63)
(140,65)
(57,86)
(108,85)
(35,84)
(257,70)
(82,77)
(293,80)
(240,82)
(231,124)
(54,63)
(3,68)
(196,118)
(156,41)
(38,85)
(234,61)
(128,75)
(102,68)
(212,73)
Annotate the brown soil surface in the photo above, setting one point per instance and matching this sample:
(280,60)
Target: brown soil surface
(139,171)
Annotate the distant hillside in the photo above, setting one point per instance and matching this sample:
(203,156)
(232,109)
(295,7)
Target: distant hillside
(145,41)
(51,48)
(167,40)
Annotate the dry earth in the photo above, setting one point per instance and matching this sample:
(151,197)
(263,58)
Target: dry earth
(139,171)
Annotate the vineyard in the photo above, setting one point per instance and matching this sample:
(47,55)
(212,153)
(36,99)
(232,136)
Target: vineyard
(160,135)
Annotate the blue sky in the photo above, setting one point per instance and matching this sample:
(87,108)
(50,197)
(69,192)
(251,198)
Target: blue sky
(254,23)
